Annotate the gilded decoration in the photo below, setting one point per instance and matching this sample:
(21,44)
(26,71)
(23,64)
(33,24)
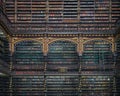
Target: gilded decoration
(80,41)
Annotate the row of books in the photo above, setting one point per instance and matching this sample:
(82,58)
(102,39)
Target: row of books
(25,85)
(62,6)
(4,85)
(60,71)
(70,28)
(117,65)
(66,53)
(97,56)
(65,24)
(98,84)
(4,47)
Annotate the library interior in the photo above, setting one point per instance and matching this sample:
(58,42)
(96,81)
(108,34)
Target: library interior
(59,47)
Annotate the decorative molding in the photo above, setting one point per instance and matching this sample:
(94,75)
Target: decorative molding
(15,40)
(50,40)
(45,46)
(67,34)
(108,39)
(80,46)
(74,40)
(79,41)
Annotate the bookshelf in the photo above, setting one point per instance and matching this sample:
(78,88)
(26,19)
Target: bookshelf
(2,4)
(118,66)
(28,69)
(97,69)
(39,11)
(55,10)
(62,70)
(60,85)
(4,84)
(23,10)
(4,21)
(4,50)
(64,15)
(97,85)
(4,65)
(28,85)
(10,9)
(62,54)
(115,11)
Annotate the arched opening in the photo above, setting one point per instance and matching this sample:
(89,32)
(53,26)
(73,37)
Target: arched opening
(63,63)
(28,68)
(97,68)
(64,54)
